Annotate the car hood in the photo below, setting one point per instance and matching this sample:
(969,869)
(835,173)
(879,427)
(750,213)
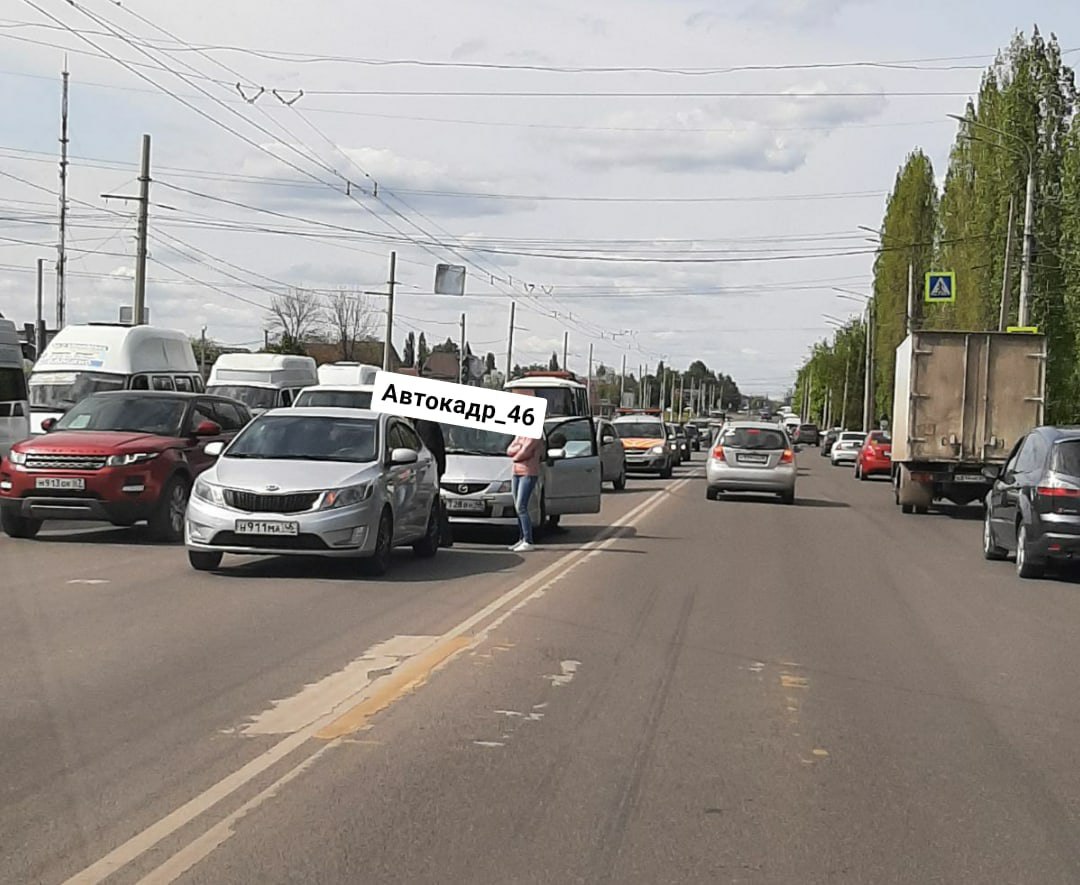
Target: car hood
(478,468)
(643,442)
(98,442)
(289,476)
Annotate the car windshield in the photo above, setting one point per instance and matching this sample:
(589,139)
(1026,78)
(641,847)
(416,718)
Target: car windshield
(137,413)
(639,430)
(252,397)
(337,399)
(60,390)
(560,400)
(472,441)
(308,438)
(1066,458)
(754,438)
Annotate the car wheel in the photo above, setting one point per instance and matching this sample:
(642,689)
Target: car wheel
(860,473)
(907,508)
(990,549)
(620,481)
(203,560)
(554,520)
(428,546)
(666,472)
(1026,565)
(378,563)
(16,526)
(711,493)
(167,521)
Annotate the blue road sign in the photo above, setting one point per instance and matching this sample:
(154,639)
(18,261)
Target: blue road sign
(940,286)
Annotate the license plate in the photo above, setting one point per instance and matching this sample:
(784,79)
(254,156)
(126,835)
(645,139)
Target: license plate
(464,506)
(266,527)
(752,459)
(70,485)
(969,477)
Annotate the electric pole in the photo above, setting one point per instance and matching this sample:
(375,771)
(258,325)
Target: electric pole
(137,318)
(565,348)
(590,386)
(461,362)
(1006,276)
(202,352)
(39,325)
(510,342)
(61,255)
(391,284)
(622,382)
(1025,265)
(682,390)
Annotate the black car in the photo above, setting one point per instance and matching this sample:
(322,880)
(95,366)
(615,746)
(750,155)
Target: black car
(827,442)
(1033,507)
(693,434)
(808,435)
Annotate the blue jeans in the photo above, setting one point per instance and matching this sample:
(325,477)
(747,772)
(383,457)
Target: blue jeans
(522,488)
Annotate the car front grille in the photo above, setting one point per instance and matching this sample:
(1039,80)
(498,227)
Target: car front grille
(269,542)
(36,461)
(464,488)
(252,502)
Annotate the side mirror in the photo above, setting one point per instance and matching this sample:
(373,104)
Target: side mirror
(48,424)
(556,454)
(607,439)
(208,428)
(214,449)
(404,456)
(993,471)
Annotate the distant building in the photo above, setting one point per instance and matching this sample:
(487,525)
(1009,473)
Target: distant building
(368,352)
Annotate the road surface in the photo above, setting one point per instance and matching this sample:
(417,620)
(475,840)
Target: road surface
(675,691)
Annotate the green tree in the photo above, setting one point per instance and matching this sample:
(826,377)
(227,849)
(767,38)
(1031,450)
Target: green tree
(422,352)
(489,363)
(408,352)
(553,363)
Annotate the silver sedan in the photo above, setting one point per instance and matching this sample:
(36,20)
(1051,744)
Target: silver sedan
(316,482)
(752,457)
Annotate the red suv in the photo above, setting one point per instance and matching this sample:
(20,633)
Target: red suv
(122,457)
(875,457)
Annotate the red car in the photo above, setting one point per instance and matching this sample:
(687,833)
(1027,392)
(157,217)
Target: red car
(121,457)
(875,457)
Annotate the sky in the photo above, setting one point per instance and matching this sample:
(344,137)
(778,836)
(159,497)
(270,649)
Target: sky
(690,183)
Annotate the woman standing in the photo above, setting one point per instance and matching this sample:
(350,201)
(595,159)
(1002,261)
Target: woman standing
(525,453)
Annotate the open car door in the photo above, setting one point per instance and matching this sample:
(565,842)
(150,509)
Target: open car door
(572,479)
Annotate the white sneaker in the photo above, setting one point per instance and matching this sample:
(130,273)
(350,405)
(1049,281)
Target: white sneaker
(524,547)
(513,547)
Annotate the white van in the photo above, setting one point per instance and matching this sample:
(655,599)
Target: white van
(566,397)
(335,396)
(14,401)
(82,360)
(347,374)
(262,381)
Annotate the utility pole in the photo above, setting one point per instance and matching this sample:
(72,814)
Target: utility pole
(1006,276)
(39,324)
(682,391)
(622,382)
(843,403)
(1025,266)
(510,342)
(565,348)
(869,366)
(61,255)
(144,210)
(910,295)
(663,394)
(391,285)
(202,352)
(461,361)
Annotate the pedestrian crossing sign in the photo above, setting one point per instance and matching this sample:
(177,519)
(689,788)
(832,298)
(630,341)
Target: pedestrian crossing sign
(940,286)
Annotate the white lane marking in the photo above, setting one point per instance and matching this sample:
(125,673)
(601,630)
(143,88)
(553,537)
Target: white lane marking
(489,743)
(514,714)
(88,581)
(569,668)
(516,597)
(338,690)
(191,854)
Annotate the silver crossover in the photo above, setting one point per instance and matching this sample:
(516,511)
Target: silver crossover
(752,457)
(317,482)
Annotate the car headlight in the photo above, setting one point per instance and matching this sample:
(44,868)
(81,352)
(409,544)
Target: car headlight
(129,459)
(500,488)
(205,490)
(17,458)
(347,497)
(657,450)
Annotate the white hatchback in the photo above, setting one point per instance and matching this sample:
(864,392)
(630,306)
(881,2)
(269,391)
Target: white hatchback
(846,448)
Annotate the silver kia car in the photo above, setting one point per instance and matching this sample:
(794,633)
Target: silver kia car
(316,482)
(752,457)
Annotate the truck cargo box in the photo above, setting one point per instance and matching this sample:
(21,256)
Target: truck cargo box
(966,397)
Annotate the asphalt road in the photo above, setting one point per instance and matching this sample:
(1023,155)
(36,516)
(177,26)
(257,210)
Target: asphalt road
(676,691)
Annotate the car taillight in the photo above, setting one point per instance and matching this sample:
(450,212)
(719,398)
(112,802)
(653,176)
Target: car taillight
(788,457)
(1057,492)
(718,452)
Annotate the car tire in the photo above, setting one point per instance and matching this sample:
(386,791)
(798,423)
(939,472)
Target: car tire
(204,560)
(554,520)
(907,508)
(666,472)
(378,563)
(1026,566)
(167,521)
(712,494)
(990,550)
(620,481)
(16,526)
(788,497)
(860,474)
(428,546)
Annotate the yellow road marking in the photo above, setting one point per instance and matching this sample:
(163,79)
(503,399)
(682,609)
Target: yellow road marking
(398,684)
(788,681)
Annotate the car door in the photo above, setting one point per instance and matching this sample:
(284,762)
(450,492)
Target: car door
(572,484)
(1003,497)
(402,484)
(425,476)
(610,453)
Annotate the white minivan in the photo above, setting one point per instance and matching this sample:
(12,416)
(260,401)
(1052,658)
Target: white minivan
(82,360)
(14,404)
(262,381)
(347,374)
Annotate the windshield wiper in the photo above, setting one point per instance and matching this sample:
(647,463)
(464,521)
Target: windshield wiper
(475,452)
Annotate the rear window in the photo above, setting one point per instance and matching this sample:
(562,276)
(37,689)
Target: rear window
(13,385)
(809,428)
(852,437)
(753,438)
(1066,458)
(880,437)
